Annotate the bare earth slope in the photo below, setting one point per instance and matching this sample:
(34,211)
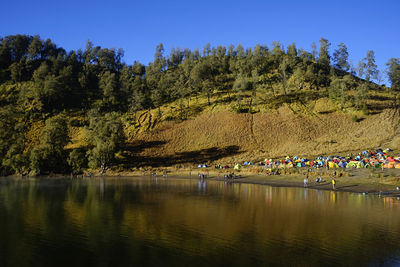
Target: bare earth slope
(240,137)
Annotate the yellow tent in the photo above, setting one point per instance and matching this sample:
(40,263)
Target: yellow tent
(333,165)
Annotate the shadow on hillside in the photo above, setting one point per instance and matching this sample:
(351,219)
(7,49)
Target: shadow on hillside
(132,159)
(326,112)
(382,98)
(139,146)
(377,108)
(302,97)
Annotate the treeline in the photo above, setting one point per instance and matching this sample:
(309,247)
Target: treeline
(40,83)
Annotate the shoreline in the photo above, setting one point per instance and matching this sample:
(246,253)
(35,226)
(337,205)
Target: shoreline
(362,181)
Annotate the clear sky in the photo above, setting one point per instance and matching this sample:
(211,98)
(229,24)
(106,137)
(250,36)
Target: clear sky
(138,26)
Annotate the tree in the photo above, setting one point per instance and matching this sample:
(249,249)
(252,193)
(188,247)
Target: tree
(240,86)
(77,160)
(324,57)
(108,83)
(106,136)
(35,48)
(153,78)
(50,155)
(314,51)
(367,67)
(361,96)
(340,57)
(393,72)
(292,51)
(337,91)
(297,80)
(16,159)
(284,72)
(203,77)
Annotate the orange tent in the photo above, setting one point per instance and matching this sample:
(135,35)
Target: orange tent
(390,165)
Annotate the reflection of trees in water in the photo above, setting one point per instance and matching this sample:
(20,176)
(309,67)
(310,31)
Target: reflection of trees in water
(95,215)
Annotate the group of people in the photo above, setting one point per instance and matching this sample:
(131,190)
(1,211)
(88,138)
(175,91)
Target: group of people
(320,180)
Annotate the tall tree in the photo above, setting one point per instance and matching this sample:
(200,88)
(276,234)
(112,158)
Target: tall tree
(50,155)
(292,50)
(106,136)
(203,77)
(240,86)
(393,72)
(314,51)
(340,57)
(367,67)
(323,56)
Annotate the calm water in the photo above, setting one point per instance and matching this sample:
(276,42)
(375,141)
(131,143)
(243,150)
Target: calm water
(177,222)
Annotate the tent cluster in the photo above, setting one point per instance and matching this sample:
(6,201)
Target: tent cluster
(364,159)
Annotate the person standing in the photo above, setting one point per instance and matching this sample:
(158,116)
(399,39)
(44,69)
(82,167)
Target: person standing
(306,181)
(333,183)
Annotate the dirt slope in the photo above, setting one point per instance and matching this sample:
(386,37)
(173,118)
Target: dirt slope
(237,137)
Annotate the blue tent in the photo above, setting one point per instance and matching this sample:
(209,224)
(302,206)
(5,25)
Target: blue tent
(342,164)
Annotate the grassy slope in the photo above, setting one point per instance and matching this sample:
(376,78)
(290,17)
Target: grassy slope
(216,134)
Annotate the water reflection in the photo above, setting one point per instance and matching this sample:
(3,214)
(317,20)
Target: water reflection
(154,221)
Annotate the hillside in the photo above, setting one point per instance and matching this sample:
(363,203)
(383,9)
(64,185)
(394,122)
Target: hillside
(218,135)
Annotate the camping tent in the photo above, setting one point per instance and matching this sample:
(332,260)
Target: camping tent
(333,165)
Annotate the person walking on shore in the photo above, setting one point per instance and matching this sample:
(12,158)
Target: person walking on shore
(333,183)
(306,181)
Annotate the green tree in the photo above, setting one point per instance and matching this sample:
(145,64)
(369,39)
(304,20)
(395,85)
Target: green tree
(361,96)
(314,51)
(393,72)
(340,57)
(50,155)
(284,71)
(338,91)
(108,83)
(240,86)
(77,160)
(154,74)
(367,67)
(106,136)
(292,50)
(324,57)
(203,77)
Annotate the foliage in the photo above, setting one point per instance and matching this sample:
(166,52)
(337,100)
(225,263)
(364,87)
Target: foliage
(77,160)
(50,155)
(106,137)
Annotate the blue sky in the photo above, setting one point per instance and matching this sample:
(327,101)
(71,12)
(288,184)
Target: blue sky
(138,26)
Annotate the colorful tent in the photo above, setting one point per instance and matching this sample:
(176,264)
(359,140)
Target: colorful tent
(333,165)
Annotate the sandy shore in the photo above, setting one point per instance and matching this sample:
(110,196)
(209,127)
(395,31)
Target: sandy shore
(365,181)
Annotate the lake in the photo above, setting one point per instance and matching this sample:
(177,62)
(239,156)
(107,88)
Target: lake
(185,222)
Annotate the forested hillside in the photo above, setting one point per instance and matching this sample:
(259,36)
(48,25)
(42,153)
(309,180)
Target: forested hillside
(70,111)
